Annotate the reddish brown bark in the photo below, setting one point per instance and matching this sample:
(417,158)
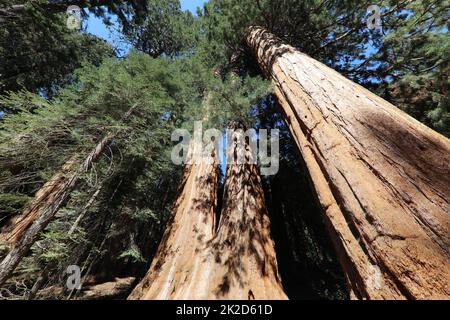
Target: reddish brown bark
(242,254)
(191,227)
(381,177)
(236,262)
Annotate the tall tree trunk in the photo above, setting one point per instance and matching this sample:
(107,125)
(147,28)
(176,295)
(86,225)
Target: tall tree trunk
(188,232)
(381,177)
(236,262)
(30,233)
(243,253)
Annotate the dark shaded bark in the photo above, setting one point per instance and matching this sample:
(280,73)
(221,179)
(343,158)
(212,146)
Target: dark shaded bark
(242,254)
(381,178)
(237,261)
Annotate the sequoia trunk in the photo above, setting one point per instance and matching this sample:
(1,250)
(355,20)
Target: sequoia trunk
(243,252)
(236,262)
(381,177)
(191,227)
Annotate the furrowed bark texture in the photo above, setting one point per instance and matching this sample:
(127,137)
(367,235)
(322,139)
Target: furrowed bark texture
(236,262)
(243,252)
(175,269)
(381,177)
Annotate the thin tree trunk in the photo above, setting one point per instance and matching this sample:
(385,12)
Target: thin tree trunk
(381,177)
(43,277)
(86,208)
(58,184)
(43,197)
(30,234)
(188,232)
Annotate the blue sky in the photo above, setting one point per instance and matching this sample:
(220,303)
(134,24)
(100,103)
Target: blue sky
(191,4)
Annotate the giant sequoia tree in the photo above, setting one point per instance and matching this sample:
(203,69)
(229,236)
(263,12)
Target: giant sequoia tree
(236,259)
(177,271)
(113,137)
(359,208)
(384,199)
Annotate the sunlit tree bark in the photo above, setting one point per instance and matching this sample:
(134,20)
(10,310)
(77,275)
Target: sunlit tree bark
(236,262)
(243,253)
(177,262)
(381,177)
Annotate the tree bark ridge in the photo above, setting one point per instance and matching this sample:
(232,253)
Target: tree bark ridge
(381,177)
(191,227)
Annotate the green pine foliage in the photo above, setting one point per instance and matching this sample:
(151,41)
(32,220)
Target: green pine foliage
(62,91)
(407,62)
(38,52)
(165,29)
(417,53)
